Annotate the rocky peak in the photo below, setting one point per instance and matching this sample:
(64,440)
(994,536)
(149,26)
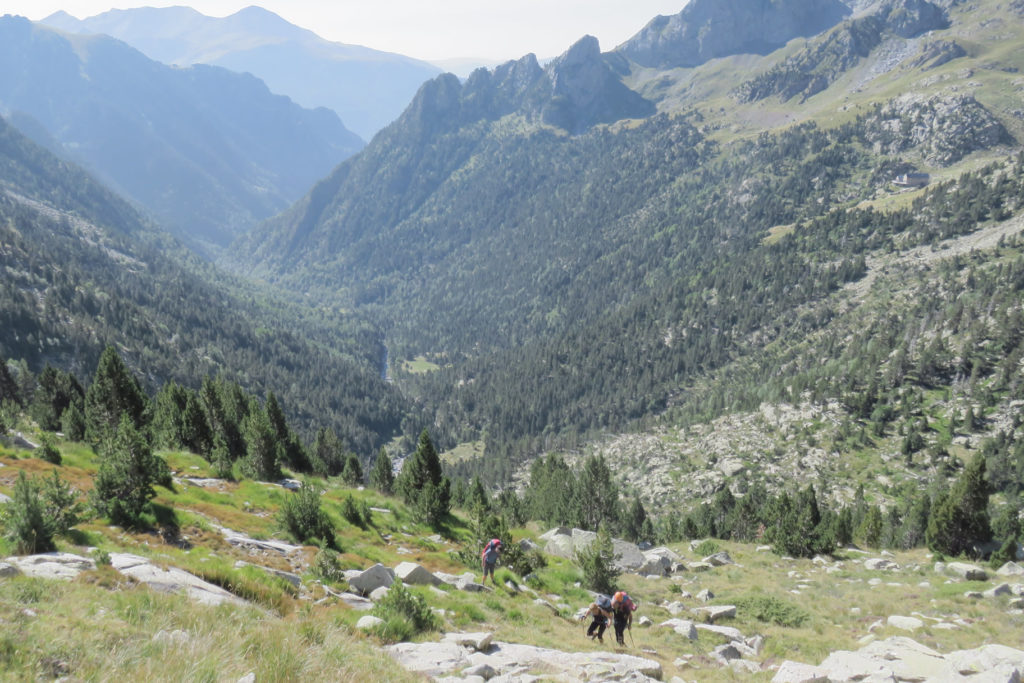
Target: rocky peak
(585,91)
(577,91)
(706,29)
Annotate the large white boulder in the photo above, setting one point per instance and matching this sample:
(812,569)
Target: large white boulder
(966,571)
(560,545)
(368,622)
(414,574)
(1010,569)
(370,579)
(557,531)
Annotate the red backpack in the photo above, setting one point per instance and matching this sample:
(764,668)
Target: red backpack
(493,543)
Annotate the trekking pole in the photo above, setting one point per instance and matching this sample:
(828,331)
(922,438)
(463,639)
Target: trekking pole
(632,642)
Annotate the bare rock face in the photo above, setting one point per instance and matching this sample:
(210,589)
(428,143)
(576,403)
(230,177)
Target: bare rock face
(943,129)
(585,91)
(707,29)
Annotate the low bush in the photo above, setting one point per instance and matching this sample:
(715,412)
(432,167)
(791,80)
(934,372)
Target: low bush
(304,520)
(404,613)
(772,610)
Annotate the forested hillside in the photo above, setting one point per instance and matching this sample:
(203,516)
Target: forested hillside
(82,271)
(567,280)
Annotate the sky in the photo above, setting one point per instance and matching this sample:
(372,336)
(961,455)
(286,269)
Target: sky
(431,30)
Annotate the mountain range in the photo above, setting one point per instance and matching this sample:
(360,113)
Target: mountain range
(678,230)
(207,151)
(367,88)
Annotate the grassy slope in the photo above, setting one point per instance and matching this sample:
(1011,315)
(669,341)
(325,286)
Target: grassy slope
(100,628)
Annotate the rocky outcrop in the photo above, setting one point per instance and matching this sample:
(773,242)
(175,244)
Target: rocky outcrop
(903,659)
(585,91)
(938,52)
(575,92)
(817,66)
(942,129)
(450,657)
(708,29)
(564,542)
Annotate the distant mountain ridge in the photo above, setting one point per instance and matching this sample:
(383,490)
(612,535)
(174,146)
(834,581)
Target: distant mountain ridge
(209,152)
(367,88)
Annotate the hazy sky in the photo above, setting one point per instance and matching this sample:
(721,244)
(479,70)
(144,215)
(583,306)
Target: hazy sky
(426,29)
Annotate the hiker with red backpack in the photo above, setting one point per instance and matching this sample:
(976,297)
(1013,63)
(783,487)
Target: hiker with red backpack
(489,558)
(622,613)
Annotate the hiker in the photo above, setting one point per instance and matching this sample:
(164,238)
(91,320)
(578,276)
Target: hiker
(489,558)
(601,611)
(622,612)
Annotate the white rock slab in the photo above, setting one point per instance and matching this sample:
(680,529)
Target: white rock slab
(63,566)
(172,580)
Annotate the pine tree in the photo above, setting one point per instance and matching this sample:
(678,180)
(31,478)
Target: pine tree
(72,421)
(352,473)
(959,518)
(633,523)
(382,477)
(128,472)
(55,392)
(597,562)
(293,454)
(114,393)
(421,484)
(8,385)
(263,457)
(596,497)
(25,521)
(328,457)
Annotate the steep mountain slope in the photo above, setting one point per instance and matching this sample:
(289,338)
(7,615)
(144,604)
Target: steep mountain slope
(577,273)
(209,152)
(83,270)
(367,88)
(703,31)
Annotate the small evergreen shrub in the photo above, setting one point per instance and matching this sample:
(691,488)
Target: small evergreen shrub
(404,613)
(302,517)
(706,548)
(26,523)
(326,567)
(771,610)
(355,513)
(101,557)
(49,452)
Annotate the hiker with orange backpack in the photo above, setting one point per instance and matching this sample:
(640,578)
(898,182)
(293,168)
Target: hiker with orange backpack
(489,558)
(622,614)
